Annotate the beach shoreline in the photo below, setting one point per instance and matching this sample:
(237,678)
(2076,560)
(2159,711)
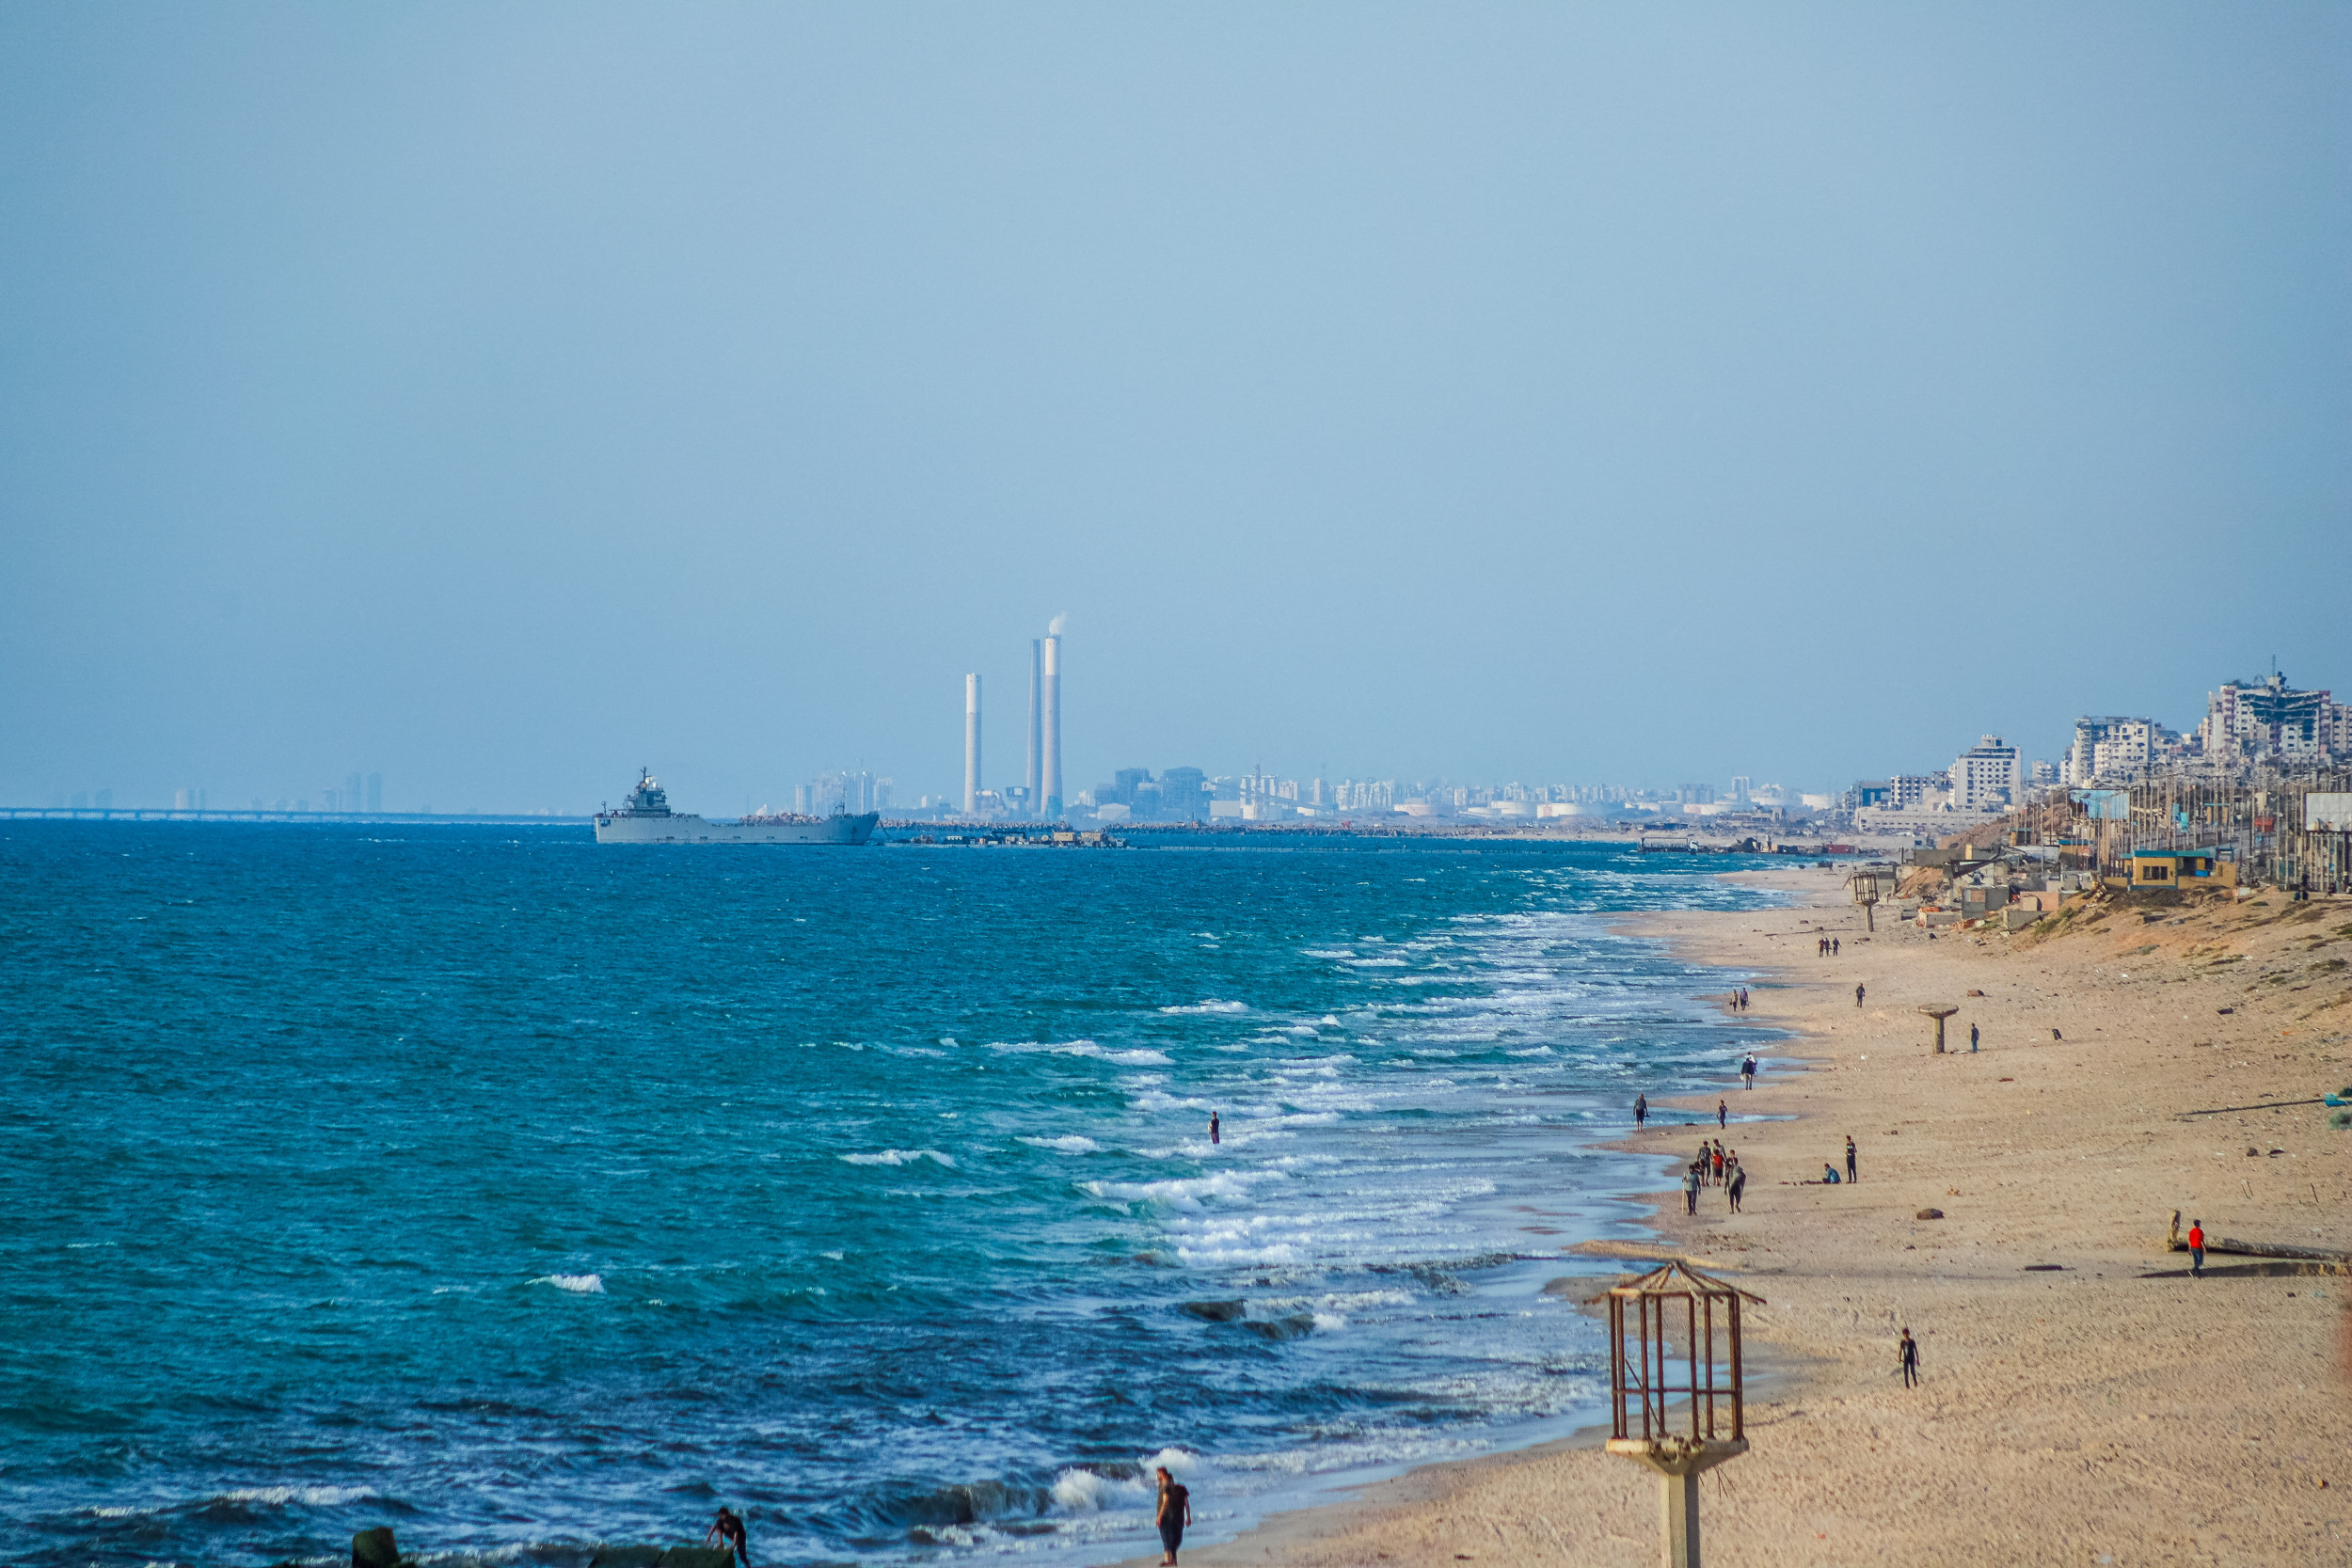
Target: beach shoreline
(2083,1400)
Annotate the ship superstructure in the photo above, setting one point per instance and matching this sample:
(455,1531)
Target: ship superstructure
(646,817)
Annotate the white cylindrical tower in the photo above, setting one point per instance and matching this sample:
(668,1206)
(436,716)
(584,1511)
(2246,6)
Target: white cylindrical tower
(1035,803)
(1049,736)
(971,744)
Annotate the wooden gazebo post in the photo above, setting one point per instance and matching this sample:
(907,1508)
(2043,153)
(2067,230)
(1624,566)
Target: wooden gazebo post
(1676,1399)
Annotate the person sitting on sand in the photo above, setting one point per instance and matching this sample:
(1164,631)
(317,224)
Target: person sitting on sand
(727,1530)
(1829,1174)
(1175,1512)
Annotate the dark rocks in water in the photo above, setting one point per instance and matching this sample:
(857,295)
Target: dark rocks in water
(374,1548)
(1931,1213)
(1217,1311)
(1296,1326)
(625,1557)
(661,1557)
(698,1557)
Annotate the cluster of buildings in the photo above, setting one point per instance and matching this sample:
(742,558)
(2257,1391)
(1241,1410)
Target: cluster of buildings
(2247,724)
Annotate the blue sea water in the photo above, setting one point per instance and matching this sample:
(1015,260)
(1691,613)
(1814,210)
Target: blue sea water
(523,1193)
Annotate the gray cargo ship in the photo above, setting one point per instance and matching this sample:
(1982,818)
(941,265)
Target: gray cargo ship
(646,817)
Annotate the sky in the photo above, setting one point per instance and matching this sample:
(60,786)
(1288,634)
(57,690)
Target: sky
(502,398)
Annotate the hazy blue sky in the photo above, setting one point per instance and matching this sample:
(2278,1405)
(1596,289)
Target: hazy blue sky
(499,397)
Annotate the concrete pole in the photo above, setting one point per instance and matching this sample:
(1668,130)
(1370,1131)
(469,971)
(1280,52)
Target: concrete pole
(1035,774)
(1049,732)
(1679,1496)
(971,744)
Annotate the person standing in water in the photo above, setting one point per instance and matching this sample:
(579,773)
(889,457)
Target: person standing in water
(1641,1109)
(727,1529)
(1214,1136)
(1174,1515)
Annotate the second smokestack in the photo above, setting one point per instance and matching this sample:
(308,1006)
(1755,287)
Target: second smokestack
(971,744)
(1049,736)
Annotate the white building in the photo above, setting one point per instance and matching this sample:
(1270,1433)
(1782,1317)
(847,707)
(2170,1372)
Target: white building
(1989,776)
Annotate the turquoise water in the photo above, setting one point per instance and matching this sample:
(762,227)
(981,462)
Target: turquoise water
(523,1193)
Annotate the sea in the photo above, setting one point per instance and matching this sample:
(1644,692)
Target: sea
(525,1194)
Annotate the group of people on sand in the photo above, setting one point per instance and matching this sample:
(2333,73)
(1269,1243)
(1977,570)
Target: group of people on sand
(1715,1167)
(1829,947)
(1740,1000)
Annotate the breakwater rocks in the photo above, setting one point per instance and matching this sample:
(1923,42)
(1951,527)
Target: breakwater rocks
(378,1548)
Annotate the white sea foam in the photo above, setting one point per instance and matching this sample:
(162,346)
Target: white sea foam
(1327,952)
(1183,1193)
(1138,1057)
(1377,963)
(1074,1144)
(901,1157)
(582,1284)
(1211,1007)
(307,1496)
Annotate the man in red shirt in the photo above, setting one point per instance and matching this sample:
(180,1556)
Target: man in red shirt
(2197,1249)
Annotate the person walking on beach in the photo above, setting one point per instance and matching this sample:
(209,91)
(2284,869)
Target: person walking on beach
(2197,1249)
(1858,996)
(1722,1113)
(1690,1188)
(727,1530)
(1641,1109)
(1174,1515)
(1214,1136)
(1972,1039)
(1832,947)
(1747,1072)
(1909,1351)
(1851,1175)
(1738,1184)
(1716,1162)
(1743,999)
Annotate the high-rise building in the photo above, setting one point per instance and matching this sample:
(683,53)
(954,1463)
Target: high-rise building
(1741,792)
(2269,720)
(1184,794)
(1987,776)
(971,744)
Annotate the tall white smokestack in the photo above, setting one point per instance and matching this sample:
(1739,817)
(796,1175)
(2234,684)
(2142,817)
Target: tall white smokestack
(1049,746)
(1035,775)
(971,744)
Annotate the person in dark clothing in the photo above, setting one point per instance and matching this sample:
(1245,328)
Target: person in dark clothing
(1690,1189)
(1851,1175)
(1909,1351)
(1722,1113)
(1216,1133)
(727,1530)
(1858,996)
(1641,1109)
(1832,947)
(1747,1072)
(1739,1185)
(1972,1039)
(1175,1512)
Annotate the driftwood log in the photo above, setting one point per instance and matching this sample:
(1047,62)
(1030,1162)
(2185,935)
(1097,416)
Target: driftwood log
(2177,1242)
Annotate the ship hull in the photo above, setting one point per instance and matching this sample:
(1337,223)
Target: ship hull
(688,829)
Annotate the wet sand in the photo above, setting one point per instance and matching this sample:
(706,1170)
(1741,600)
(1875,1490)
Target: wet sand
(2108,1410)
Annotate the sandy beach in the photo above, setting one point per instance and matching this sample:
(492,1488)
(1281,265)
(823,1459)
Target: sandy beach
(2108,1410)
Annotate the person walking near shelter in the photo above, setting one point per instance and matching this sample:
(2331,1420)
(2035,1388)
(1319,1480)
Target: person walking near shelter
(1175,1512)
(2197,1249)
(1909,1351)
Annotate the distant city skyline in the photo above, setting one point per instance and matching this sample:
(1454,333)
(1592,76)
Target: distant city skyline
(503,399)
